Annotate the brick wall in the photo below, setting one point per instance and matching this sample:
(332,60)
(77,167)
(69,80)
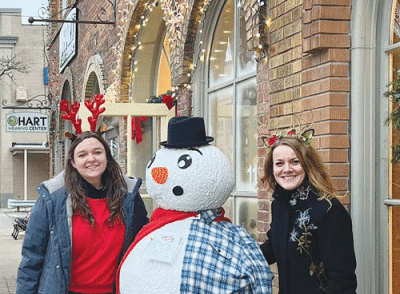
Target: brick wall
(307,78)
(92,39)
(326,83)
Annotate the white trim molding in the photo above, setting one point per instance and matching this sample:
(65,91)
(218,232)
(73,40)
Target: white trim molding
(95,64)
(369,148)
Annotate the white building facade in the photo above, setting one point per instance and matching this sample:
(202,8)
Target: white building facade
(24,120)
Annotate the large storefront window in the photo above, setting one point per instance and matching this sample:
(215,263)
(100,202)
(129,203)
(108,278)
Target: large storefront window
(231,108)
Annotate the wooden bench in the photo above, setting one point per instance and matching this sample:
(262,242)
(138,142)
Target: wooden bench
(15,203)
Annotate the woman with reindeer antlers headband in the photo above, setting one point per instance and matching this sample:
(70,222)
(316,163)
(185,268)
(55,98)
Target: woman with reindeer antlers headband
(84,219)
(310,237)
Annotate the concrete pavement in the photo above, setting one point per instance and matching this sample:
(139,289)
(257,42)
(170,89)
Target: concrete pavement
(10,250)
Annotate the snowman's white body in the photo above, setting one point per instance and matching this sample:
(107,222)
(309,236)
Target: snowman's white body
(192,180)
(139,270)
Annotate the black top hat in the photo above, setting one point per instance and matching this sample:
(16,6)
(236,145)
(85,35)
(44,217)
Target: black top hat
(185,131)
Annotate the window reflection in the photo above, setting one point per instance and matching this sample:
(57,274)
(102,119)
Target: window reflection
(396,23)
(245,58)
(221,120)
(247,209)
(228,206)
(395,167)
(246,132)
(222,49)
(395,133)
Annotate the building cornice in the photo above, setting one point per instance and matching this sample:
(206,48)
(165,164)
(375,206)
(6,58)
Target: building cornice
(8,41)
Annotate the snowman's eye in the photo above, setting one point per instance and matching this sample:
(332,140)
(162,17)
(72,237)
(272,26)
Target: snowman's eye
(184,161)
(151,161)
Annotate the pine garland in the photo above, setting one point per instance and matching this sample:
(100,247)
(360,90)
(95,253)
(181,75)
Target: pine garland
(394,95)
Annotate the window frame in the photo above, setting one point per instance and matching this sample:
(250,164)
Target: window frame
(203,90)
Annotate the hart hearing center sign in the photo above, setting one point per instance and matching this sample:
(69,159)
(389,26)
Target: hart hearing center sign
(27,122)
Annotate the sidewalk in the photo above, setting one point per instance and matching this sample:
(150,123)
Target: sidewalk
(10,250)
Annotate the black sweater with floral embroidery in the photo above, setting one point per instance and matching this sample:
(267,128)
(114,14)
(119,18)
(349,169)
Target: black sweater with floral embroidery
(312,242)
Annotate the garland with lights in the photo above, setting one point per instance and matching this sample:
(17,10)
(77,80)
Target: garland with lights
(174,16)
(394,116)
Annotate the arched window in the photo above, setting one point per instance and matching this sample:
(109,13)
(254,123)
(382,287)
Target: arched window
(230,105)
(92,86)
(151,77)
(63,144)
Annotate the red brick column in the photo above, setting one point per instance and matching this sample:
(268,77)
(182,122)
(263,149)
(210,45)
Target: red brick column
(326,83)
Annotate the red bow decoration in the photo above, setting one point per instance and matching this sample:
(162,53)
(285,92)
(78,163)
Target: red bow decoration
(137,132)
(71,114)
(170,102)
(272,140)
(94,107)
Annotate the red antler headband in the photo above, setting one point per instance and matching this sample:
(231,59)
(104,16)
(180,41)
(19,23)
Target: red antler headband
(71,114)
(92,105)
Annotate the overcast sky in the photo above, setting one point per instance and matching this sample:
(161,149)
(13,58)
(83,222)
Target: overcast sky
(29,7)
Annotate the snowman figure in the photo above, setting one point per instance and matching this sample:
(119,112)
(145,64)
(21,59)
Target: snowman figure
(189,246)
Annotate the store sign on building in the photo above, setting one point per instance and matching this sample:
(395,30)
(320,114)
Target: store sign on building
(27,122)
(68,40)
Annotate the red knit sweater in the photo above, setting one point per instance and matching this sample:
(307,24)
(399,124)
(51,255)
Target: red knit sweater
(95,251)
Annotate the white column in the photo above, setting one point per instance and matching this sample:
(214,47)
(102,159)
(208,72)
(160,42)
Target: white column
(369,147)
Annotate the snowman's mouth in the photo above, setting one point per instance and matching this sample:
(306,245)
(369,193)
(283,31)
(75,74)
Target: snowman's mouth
(177,190)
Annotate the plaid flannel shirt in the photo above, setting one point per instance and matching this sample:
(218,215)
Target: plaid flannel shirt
(223,258)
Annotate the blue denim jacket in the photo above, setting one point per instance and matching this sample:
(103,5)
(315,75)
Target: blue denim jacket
(46,251)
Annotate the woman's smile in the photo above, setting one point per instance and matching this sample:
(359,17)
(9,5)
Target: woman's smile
(288,172)
(90,160)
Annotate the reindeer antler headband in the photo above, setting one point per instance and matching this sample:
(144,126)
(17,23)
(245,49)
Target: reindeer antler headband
(70,114)
(304,134)
(305,137)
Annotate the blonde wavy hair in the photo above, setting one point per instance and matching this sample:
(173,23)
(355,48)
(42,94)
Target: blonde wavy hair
(310,162)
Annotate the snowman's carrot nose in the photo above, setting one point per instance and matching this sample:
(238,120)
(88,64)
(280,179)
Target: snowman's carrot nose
(159,174)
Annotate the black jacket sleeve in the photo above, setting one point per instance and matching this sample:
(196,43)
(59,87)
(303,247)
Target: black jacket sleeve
(140,214)
(336,247)
(267,249)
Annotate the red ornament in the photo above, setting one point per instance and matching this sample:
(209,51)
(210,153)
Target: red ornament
(272,140)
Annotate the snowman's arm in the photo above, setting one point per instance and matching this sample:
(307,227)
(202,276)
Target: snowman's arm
(259,271)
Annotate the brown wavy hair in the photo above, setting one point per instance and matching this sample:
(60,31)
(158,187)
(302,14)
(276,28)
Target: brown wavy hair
(310,162)
(112,179)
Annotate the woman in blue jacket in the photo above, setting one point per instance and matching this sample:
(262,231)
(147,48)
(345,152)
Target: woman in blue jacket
(82,224)
(310,237)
